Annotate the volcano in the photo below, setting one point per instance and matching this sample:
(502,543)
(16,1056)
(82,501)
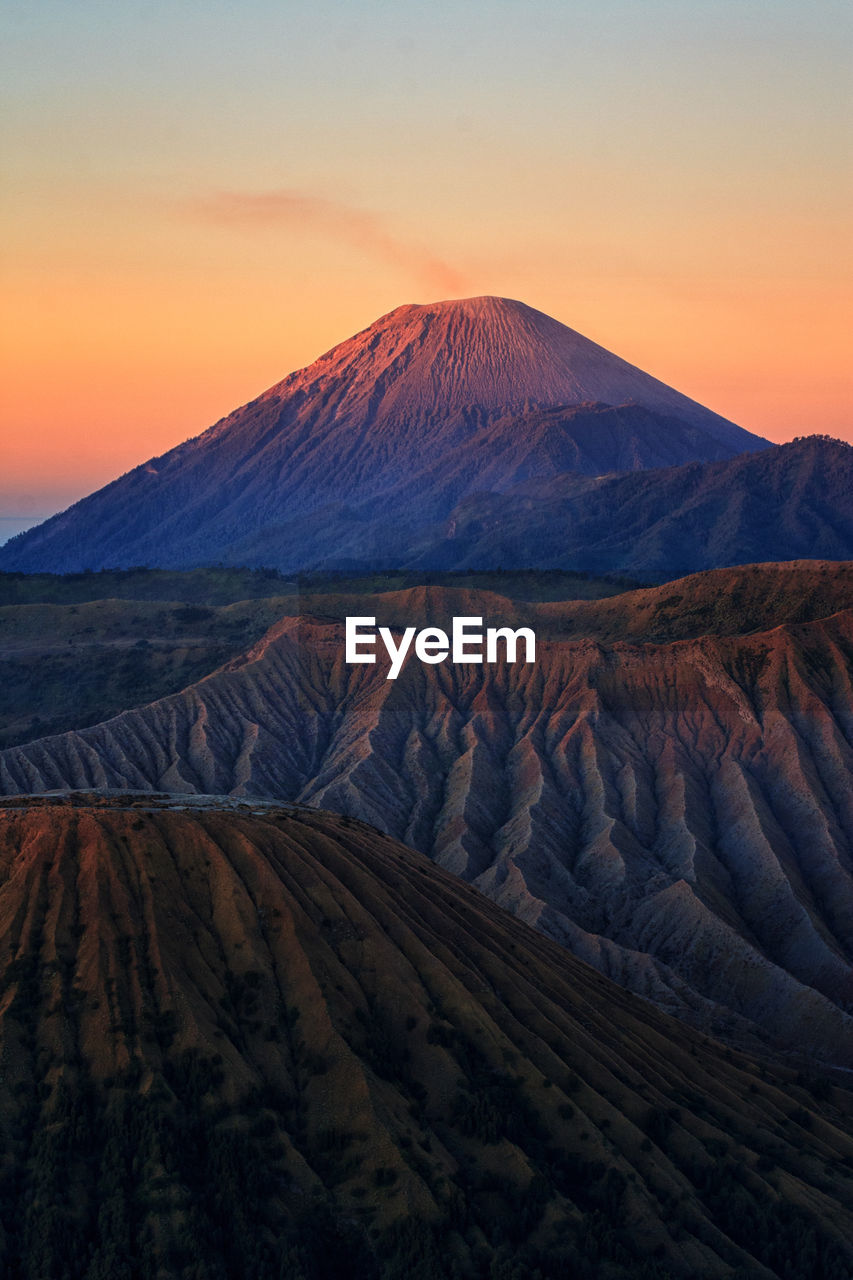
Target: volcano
(383,436)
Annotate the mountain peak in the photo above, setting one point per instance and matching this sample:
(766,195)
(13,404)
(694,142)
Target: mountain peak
(487,307)
(494,354)
(482,304)
(393,426)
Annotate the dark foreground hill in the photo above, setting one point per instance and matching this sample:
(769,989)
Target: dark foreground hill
(381,437)
(250,1042)
(678,813)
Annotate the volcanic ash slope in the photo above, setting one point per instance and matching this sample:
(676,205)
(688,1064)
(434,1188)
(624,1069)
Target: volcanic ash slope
(248,1042)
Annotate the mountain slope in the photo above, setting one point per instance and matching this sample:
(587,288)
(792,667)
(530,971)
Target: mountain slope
(390,427)
(794,501)
(247,1043)
(678,814)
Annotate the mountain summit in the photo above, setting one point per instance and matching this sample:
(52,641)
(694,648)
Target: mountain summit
(419,366)
(388,430)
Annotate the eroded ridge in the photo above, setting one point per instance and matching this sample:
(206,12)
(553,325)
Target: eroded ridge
(679,815)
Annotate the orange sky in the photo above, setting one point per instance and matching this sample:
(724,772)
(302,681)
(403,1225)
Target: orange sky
(200,202)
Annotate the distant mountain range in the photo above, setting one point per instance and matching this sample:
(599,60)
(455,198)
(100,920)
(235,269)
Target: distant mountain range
(791,502)
(786,502)
(251,1041)
(358,457)
(677,813)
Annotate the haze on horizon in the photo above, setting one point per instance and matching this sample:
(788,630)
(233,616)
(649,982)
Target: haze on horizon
(201,199)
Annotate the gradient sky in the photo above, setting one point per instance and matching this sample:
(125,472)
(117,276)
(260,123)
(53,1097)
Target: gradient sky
(200,197)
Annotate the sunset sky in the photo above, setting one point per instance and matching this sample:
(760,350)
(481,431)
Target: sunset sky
(200,197)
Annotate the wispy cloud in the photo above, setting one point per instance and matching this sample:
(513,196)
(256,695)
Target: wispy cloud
(301,211)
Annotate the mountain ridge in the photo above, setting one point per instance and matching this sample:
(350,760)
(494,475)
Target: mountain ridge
(74,655)
(792,501)
(675,813)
